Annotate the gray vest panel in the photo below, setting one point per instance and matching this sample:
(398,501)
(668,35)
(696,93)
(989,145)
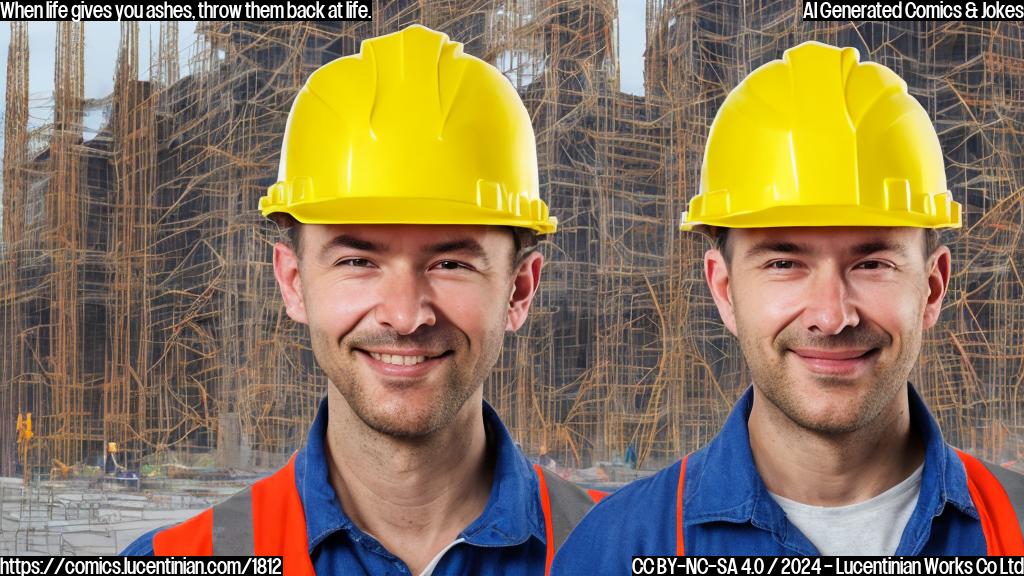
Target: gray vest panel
(569,503)
(1013,483)
(232,526)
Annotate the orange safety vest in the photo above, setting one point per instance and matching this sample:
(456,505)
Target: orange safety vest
(267,519)
(998,494)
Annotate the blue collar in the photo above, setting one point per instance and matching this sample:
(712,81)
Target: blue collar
(728,458)
(511,516)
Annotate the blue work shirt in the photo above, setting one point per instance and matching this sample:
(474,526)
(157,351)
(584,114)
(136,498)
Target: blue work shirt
(727,509)
(507,538)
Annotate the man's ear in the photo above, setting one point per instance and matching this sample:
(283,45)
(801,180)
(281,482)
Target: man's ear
(938,282)
(286,271)
(716,271)
(525,281)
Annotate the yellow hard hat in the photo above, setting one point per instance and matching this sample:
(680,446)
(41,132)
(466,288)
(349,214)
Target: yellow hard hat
(409,131)
(821,139)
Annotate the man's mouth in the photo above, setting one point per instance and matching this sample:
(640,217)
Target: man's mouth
(836,362)
(398,359)
(827,354)
(404,358)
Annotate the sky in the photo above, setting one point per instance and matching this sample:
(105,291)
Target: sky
(102,39)
(632,41)
(101,42)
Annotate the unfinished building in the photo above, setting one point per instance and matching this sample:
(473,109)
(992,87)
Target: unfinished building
(137,300)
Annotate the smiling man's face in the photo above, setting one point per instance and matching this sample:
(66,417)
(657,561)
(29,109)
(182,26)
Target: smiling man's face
(829,319)
(406,321)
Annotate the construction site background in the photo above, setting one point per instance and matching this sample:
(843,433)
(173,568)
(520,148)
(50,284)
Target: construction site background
(138,304)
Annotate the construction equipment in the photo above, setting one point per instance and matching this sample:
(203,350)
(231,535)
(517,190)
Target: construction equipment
(25,434)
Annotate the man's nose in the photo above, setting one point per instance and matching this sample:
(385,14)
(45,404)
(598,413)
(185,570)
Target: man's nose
(405,303)
(830,306)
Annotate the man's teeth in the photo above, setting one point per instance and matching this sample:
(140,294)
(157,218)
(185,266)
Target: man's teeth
(398,359)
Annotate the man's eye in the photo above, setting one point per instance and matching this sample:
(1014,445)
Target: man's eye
(451,265)
(873,265)
(782,265)
(356,262)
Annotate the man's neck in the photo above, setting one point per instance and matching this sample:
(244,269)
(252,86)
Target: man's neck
(414,496)
(833,469)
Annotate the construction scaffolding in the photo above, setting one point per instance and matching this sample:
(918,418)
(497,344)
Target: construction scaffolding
(138,304)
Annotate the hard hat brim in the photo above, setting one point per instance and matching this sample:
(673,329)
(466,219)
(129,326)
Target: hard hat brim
(389,210)
(812,216)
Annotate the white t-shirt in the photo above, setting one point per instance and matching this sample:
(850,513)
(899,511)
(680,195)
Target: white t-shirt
(869,528)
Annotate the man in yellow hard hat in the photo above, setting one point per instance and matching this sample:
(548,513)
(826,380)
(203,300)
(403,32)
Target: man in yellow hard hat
(823,187)
(408,178)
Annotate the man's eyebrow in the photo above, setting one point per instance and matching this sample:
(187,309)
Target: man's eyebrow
(878,246)
(465,245)
(348,241)
(862,249)
(769,246)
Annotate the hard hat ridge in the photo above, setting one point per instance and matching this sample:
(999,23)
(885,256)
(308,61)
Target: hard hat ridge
(408,69)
